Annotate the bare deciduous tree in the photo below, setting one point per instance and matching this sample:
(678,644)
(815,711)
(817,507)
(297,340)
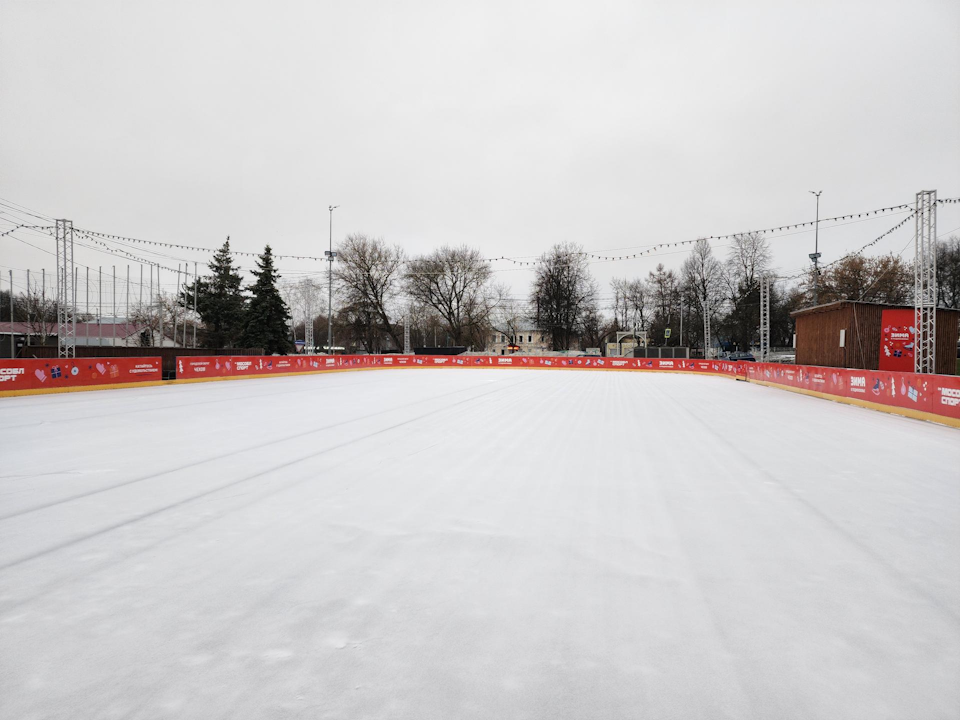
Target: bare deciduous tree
(454,281)
(564,292)
(619,288)
(701,277)
(664,293)
(884,279)
(148,316)
(509,316)
(749,258)
(701,271)
(369,274)
(948,272)
(637,301)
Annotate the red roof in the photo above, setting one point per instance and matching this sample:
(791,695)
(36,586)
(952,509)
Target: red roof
(84,329)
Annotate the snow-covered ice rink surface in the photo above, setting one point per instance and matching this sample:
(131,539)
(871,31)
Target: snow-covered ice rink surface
(470,543)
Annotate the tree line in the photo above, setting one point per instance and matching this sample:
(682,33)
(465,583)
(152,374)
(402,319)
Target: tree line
(450,297)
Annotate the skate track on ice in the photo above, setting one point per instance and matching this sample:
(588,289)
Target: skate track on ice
(473,543)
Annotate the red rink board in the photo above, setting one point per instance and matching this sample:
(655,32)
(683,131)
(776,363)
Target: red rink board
(55,374)
(245,366)
(935,394)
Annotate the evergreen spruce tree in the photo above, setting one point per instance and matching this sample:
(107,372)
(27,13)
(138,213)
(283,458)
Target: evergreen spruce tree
(267,313)
(220,302)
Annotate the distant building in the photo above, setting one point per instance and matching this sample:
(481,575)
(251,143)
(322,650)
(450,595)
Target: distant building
(106,333)
(870,336)
(109,333)
(12,333)
(525,340)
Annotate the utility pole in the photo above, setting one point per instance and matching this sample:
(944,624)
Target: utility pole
(99,305)
(175,313)
(151,304)
(186,305)
(43,305)
(707,340)
(815,255)
(73,308)
(13,337)
(29,303)
(196,320)
(160,304)
(66,323)
(331,256)
(113,295)
(680,341)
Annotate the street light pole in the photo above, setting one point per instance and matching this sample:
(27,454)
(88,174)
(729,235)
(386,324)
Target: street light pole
(331,255)
(815,255)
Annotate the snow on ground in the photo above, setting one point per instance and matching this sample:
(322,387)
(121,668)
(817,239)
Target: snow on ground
(475,544)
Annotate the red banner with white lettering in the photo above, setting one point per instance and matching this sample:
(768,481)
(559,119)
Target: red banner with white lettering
(897,340)
(935,394)
(245,366)
(60,374)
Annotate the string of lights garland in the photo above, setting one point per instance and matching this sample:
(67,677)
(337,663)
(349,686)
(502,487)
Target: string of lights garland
(123,253)
(593,255)
(656,248)
(176,246)
(855,252)
(26,227)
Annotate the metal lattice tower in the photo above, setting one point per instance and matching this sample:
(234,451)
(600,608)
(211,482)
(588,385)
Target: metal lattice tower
(308,327)
(764,318)
(407,349)
(707,337)
(66,313)
(925,283)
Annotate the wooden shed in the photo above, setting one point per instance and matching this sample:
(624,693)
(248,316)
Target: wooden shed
(852,334)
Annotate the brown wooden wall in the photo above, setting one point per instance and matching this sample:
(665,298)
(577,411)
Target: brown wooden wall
(948,331)
(818,336)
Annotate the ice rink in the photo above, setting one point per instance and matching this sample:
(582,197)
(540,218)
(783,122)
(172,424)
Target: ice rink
(475,543)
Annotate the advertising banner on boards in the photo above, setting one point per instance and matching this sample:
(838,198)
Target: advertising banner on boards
(53,374)
(934,394)
(897,340)
(244,366)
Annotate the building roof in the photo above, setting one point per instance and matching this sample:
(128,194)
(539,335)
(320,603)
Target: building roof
(522,328)
(837,305)
(16,328)
(84,329)
(123,329)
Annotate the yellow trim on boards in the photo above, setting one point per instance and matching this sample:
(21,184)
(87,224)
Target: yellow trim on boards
(158,383)
(80,388)
(905,412)
(181,381)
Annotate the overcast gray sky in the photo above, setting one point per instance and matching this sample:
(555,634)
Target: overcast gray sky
(509,126)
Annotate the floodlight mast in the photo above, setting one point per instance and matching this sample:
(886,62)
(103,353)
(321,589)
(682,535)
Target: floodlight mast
(331,256)
(815,255)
